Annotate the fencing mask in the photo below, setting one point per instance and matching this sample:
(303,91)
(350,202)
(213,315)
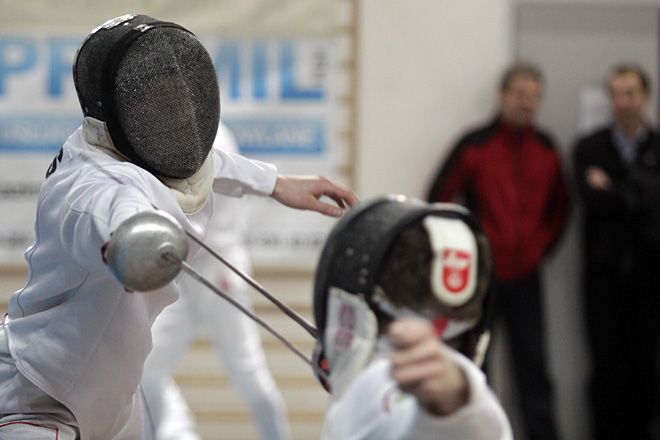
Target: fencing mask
(395,256)
(154,86)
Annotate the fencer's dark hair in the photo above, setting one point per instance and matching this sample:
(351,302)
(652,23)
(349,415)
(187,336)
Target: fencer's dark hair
(521,68)
(629,67)
(406,263)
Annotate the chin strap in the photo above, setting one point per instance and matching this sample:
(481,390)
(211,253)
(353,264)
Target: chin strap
(192,193)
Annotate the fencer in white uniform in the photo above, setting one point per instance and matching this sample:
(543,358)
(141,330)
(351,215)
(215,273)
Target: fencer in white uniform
(400,303)
(73,330)
(234,336)
(74,341)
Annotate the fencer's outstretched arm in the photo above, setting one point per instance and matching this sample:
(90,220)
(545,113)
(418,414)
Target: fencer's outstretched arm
(236,175)
(304,192)
(451,389)
(446,396)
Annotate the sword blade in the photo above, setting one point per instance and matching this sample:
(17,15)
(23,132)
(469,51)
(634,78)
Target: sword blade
(192,272)
(258,287)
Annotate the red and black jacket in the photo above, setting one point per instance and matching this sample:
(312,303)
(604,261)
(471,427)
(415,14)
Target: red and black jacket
(513,182)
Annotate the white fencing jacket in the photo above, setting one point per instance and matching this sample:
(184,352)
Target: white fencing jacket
(73,330)
(372,408)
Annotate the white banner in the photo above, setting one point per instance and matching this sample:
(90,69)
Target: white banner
(244,18)
(280,97)
(282,102)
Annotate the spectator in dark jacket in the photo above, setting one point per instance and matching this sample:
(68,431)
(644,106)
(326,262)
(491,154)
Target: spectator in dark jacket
(509,174)
(617,168)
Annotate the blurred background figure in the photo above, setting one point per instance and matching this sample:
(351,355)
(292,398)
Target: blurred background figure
(508,172)
(617,168)
(176,421)
(235,337)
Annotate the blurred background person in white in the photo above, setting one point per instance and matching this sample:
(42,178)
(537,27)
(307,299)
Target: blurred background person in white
(234,336)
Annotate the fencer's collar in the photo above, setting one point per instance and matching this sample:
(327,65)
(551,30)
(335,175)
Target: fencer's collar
(97,137)
(190,193)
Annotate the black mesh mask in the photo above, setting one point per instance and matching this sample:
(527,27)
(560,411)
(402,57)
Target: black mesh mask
(154,85)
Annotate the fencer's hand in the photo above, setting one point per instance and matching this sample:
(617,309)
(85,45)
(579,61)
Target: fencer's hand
(421,367)
(304,192)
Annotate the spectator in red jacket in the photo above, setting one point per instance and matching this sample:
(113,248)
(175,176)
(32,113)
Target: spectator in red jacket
(509,174)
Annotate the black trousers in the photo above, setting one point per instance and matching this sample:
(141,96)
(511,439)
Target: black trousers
(519,305)
(623,330)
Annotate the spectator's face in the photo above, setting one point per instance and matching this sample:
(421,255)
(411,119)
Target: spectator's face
(520,100)
(627,97)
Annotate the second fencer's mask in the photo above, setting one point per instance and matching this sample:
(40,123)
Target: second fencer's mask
(395,256)
(154,86)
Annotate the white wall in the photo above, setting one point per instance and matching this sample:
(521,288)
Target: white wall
(427,70)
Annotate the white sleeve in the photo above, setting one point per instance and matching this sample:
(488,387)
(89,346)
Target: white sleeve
(236,175)
(89,215)
(481,418)
(371,408)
